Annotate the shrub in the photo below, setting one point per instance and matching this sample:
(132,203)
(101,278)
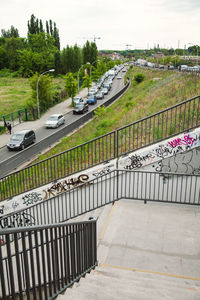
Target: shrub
(100,111)
(139,77)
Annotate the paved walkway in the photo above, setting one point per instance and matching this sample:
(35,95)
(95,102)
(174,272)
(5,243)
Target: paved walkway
(63,107)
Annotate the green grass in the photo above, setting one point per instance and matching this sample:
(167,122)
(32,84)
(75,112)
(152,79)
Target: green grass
(15,92)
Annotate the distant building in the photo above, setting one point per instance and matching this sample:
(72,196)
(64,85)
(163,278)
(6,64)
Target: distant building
(113,55)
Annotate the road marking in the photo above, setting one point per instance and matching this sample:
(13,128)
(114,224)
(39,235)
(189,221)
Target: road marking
(107,222)
(149,272)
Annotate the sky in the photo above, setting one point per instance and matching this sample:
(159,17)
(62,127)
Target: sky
(116,24)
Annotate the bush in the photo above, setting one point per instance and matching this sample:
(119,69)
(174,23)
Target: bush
(100,111)
(139,77)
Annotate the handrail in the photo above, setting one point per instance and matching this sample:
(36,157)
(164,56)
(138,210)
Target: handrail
(44,260)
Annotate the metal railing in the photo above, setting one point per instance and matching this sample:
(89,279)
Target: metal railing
(157,127)
(46,259)
(43,261)
(105,189)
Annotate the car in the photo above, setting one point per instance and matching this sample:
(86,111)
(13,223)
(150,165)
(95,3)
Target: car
(77,100)
(100,95)
(54,121)
(80,108)
(92,99)
(105,90)
(119,76)
(107,86)
(93,90)
(21,139)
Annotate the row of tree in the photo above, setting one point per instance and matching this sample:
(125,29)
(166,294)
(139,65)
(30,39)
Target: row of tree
(40,51)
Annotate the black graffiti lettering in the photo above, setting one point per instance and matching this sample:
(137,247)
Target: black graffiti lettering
(31,198)
(102,172)
(162,151)
(83,178)
(2,209)
(17,220)
(60,187)
(136,161)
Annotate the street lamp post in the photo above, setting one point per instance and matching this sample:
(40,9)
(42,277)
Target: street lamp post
(38,105)
(79,71)
(92,65)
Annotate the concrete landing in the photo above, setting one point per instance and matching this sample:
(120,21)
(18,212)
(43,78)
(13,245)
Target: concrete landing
(145,251)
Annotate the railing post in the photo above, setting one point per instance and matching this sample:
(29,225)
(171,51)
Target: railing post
(26,114)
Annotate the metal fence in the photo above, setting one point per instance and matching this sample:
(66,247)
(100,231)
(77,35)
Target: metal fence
(46,259)
(157,127)
(103,190)
(17,117)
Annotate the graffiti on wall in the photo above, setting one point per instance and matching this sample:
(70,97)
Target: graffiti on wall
(65,185)
(159,153)
(186,140)
(31,198)
(102,171)
(185,162)
(17,220)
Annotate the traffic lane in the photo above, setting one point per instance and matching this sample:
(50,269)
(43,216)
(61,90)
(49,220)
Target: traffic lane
(43,132)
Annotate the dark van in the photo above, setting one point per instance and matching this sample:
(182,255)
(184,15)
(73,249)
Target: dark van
(21,139)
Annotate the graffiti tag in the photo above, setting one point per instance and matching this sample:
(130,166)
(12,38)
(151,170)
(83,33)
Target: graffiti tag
(136,161)
(17,220)
(31,198)
(60,187)
(186,140)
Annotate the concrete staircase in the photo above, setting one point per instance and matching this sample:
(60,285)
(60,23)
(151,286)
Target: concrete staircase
(145,252)
(105,283)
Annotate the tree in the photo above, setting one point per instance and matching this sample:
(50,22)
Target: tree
(86,52)
(12,32)
(45,92)
(71,86)
(139,77)
(93,53)
(87,82)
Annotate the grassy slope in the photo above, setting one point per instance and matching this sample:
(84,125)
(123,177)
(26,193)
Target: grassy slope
(140,101)
(14,92)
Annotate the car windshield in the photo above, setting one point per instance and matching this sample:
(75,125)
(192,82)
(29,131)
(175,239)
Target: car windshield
(77,99)
(17,137)
(79,104)
(52,118)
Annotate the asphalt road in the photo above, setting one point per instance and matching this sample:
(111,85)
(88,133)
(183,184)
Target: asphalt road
(10,160)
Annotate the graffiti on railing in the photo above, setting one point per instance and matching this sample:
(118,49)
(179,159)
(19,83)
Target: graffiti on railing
(17,220)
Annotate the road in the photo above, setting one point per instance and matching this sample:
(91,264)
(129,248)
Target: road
(10,160)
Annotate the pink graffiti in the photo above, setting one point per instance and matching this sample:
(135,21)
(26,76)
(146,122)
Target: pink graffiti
(187,140)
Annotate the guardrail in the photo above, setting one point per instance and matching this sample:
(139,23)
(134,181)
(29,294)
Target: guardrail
(157,127)
(47,259)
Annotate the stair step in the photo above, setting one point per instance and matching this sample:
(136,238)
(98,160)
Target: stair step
(101,284)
